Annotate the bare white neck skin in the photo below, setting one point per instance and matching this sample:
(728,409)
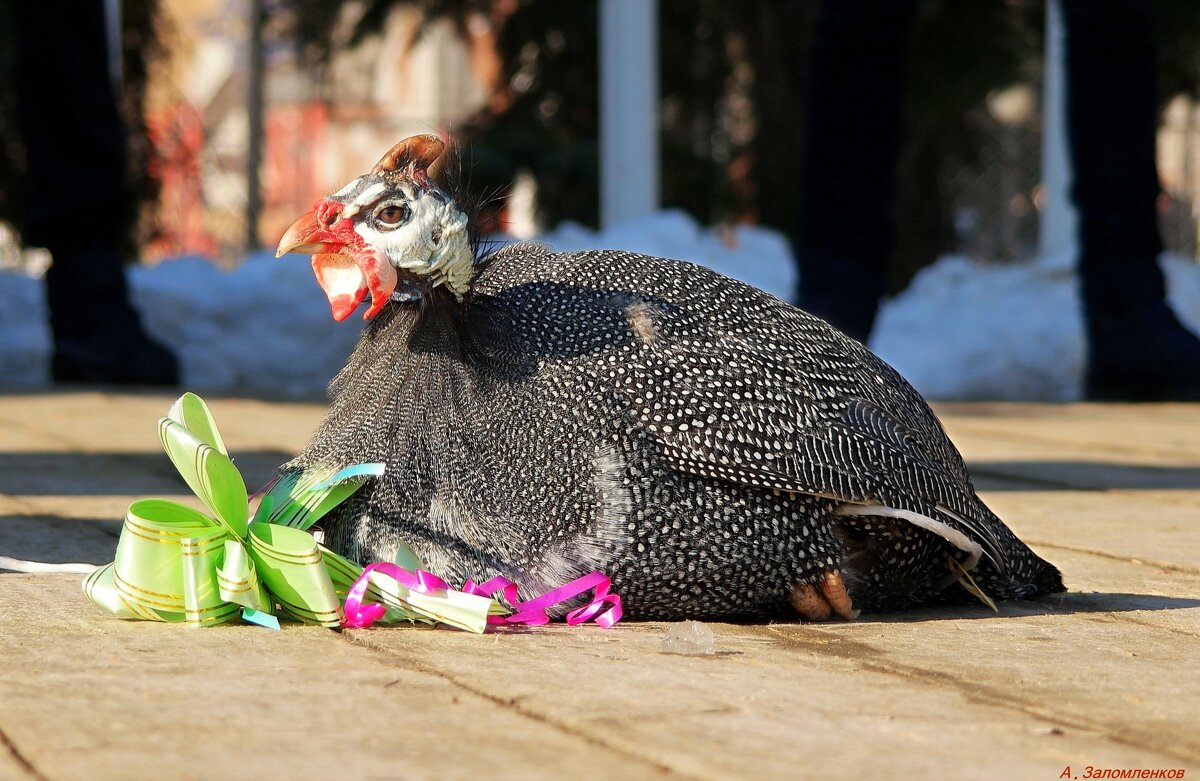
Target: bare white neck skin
(452,263)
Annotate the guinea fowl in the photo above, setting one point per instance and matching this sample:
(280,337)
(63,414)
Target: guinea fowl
(716,451)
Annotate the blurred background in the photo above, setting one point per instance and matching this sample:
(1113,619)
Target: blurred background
(243,112)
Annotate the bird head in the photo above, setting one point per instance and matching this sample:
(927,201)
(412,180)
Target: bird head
(393,233)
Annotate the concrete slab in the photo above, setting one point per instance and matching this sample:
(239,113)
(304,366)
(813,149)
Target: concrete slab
(87,696)
(1146,526)
(1105,675)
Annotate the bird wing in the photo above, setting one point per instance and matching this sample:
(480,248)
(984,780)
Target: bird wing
(736,385)
(765,395)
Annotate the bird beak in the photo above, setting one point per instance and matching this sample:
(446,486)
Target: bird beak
(345,267)
(303,236)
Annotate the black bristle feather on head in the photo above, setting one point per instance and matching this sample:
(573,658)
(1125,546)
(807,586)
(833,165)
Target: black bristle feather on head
(455,182)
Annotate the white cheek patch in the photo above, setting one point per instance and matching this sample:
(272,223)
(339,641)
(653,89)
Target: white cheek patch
(410,245)
(366,198)
(358,195)
(345,191)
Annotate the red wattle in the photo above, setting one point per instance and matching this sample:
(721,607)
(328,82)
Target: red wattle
(342,306)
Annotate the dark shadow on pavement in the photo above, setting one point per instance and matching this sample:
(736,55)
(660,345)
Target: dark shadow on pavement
(116,474)
(1081,476)
(1071,602)
(170,394)
(49,539)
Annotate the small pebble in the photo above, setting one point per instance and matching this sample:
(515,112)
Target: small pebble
(689,638)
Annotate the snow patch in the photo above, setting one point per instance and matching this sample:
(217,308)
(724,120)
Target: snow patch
(756,256)
(970,330)
(24,332)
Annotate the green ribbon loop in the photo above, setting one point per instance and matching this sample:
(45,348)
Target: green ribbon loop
(291,566)
(237,579)
(178,564)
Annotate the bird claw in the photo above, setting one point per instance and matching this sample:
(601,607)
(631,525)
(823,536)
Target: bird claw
(821,601)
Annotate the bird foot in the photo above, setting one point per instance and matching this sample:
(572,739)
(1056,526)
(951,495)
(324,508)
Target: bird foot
(819,602)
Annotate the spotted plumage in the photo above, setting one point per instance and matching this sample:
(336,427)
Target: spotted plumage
(707,445)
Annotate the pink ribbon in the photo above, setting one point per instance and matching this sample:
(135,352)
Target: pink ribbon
(360,616)
(531,613)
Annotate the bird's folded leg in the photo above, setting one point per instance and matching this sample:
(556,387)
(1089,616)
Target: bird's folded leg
(821,601)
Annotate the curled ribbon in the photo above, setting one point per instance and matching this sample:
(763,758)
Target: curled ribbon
(532,612)
(359,615)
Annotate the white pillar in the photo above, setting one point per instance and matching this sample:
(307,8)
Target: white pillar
(629,162)
(1057,224)
(112,34)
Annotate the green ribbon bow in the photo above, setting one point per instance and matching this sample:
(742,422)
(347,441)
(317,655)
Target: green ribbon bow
(178,564)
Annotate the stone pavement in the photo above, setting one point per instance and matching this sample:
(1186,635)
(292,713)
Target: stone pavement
(1107,675)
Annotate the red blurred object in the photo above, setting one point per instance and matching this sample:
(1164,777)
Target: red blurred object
(292,177)
(177,142)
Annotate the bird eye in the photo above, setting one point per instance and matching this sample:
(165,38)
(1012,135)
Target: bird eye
(391,215)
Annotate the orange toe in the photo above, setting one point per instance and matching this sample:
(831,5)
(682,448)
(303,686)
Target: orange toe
(809,603)
(834,590)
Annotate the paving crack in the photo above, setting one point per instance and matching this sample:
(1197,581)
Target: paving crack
(19,758)
(1167,565)
(514,704)
(976,692)
(1124,619)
